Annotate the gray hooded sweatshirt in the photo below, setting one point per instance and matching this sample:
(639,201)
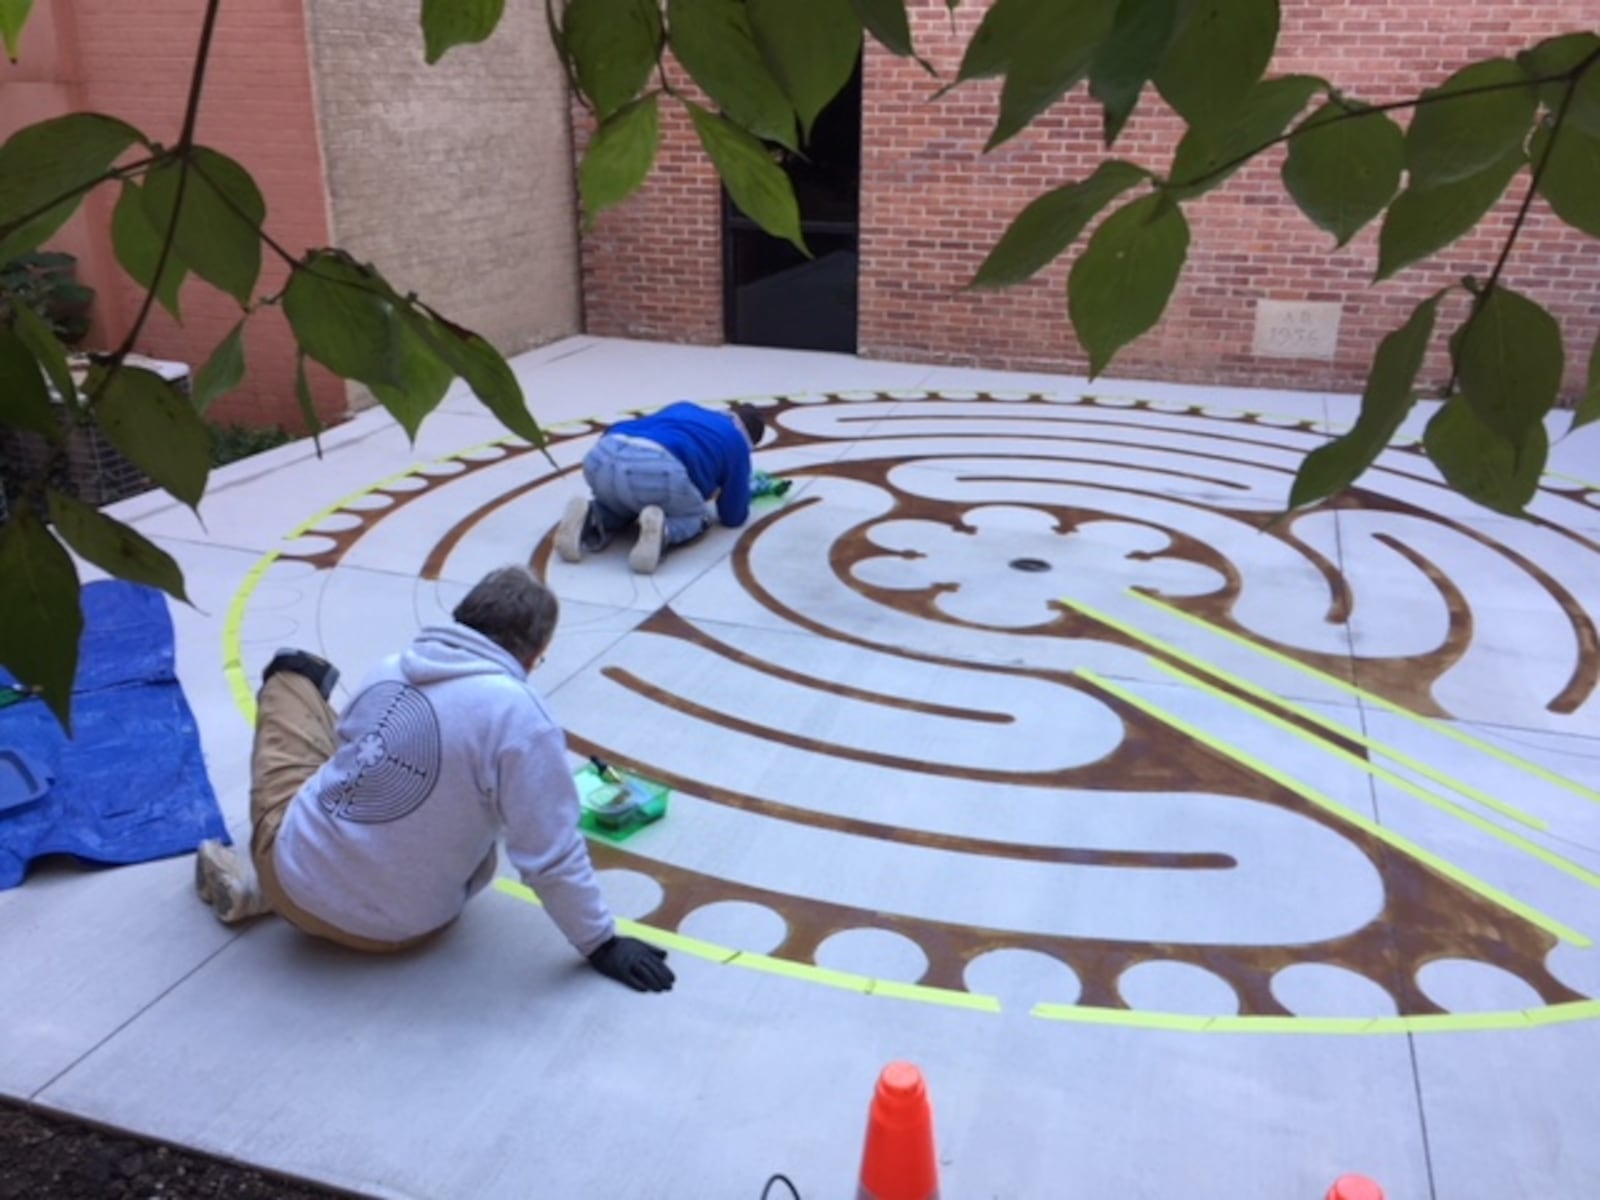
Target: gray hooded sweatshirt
(445,747)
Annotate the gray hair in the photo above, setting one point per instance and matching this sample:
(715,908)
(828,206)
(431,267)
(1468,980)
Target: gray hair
(513,609)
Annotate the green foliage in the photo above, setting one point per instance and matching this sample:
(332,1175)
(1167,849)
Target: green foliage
(1120,285)
(1052,223)
(886,20)
(1209,154)
(137,244)
(155,427)
(447,23)
(1570,178)
(46,170)
(47,283)
(113,547)
(811,48)
(1424,220)
(619,156)
(39,595)
(24,399)
(217,231)
(222,372)
(1344,166)
(757,184)
(1508,362)
(1389,397)
(1498,472)
(713,41)
(13,16)
(232,442)
(1589,405)
(1130,55)
(613,46)
(1218,52)
(1491,113)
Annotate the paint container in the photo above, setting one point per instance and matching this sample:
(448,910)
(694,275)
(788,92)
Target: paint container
(616,811)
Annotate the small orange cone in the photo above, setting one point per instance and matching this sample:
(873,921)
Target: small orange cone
(898,1162)
(1354,1187)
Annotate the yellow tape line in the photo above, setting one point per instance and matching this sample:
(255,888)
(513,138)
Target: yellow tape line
(1459,735)
(1515,840)
(1471,882)
(1316,718)
(864,985)
(1555,1014)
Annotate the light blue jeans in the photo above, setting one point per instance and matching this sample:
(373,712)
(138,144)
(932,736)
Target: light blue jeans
(628,475)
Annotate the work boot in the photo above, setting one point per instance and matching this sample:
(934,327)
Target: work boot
(226,881)
(580,531)
(302,662)
(646,553)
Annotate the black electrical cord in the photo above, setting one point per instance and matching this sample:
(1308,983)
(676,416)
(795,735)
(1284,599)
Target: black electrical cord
(766,1192)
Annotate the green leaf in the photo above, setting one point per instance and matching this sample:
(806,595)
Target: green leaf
(218,231)
(1056,51)
(1589,404)
(222,372)
(119,551)
(1051,223)
(1389,396)
(308,406)
(48,351)
(1509,362)
(1129,57)
(342,317)
(1560,56)
(39,596)
(619,156)
(713,41)
(1004,28)
(757,185)
(812,49)
(138,247)
(1120,285)
(1218,52)
(1450,139)
(447,23)
(1570,181)
(613,44)
(48,160)
(24,398)
(484,370)
(886,20)
(1208,155)
(1482,464)
(1343,170)
(423,379)
(1422,221)
(13,17)
(157,429)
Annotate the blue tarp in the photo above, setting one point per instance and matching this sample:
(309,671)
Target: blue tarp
(131,784)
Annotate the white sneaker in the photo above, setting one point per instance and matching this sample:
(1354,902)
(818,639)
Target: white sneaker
(227,881)
(569,533)
(646,553)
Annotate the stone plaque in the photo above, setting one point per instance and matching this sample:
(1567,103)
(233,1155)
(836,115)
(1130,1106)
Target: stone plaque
(1297,329)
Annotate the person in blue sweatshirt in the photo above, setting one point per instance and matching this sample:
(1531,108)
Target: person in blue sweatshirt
(662,470)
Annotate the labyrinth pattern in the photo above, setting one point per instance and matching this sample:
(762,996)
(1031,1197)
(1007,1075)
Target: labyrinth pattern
(1048,698)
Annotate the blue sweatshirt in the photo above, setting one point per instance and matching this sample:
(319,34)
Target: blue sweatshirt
(711,446)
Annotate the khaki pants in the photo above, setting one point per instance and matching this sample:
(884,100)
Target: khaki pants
(294,737)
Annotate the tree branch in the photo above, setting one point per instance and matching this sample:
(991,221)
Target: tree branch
(77,190)
(1368,110)
(191,117)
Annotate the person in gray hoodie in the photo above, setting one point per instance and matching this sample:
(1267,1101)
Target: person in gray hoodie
(373,829)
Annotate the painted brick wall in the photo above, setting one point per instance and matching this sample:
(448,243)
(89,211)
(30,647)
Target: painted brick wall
(453,179)
(134,62)
(933,205)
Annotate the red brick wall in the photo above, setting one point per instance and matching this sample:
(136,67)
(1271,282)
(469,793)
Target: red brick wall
(134,62)
(933,205)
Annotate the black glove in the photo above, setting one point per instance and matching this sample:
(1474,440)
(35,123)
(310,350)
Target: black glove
(640,965)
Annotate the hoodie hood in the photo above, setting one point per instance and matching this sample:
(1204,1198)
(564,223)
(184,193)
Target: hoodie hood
(442,652)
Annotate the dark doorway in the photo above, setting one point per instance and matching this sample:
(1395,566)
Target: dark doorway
(773,294)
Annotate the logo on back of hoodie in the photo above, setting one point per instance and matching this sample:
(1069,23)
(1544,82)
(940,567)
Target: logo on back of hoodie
(391,765)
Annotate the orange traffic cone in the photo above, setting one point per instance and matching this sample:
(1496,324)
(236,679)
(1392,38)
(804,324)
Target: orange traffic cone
(1354,1187)
(898,1162)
